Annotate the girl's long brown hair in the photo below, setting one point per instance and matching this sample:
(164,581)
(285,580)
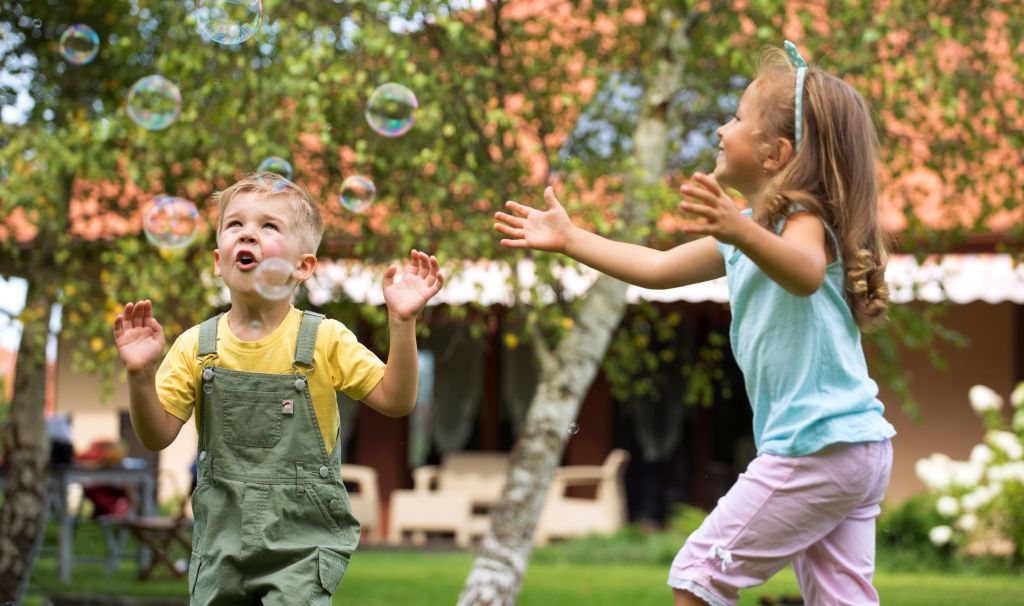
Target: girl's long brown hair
(833,175)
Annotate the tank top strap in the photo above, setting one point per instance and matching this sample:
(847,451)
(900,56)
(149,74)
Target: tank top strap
(830,235)
(305,345)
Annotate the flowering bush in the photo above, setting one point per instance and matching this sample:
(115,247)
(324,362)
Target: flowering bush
(982,498)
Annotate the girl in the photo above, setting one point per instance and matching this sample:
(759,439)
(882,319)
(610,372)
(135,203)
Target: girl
(805,267)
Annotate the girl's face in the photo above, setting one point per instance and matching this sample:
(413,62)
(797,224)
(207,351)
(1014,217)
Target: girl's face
(740,164)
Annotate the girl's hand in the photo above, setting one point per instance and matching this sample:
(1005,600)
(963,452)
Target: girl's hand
(534,228)
(139,337)
(421,280)
(720,217)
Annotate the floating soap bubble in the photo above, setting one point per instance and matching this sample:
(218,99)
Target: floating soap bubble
(273,278)
(391,109)
(171,223)
(154,102)
(574,429)
(357,193)
(79,44)
(229,21)
(276,165)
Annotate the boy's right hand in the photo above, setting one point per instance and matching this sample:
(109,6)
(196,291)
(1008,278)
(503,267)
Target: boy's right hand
(139,337)
(534,228)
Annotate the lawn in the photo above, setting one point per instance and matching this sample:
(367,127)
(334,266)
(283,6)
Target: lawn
(431,579)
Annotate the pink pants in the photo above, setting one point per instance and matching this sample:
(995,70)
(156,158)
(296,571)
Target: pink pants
(816,511)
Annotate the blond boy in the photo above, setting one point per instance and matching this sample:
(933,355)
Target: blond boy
(272,519)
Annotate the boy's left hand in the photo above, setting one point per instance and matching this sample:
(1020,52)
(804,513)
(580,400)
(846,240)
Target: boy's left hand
(721,218)
(421,280)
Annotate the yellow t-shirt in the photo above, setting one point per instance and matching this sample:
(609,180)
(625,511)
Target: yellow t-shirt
(340,363)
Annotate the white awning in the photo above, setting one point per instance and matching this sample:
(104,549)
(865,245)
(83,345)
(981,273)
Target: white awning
(993,278)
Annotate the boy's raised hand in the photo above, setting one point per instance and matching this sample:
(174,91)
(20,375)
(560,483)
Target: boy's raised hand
(534,228)
(139,337)
(421,280)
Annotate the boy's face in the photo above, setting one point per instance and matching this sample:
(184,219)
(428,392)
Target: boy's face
(256,227)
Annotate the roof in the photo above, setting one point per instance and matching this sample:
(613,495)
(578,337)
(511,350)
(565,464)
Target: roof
(992,278)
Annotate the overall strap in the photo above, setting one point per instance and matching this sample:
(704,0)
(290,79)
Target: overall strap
(306,342)
(208,336)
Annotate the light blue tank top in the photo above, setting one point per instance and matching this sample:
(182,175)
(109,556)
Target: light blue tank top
(802,361)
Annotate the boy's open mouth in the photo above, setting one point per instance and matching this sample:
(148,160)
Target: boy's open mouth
(246,260)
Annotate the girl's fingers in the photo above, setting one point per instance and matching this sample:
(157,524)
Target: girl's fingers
(549,197)
(518,208)
(696,209)
(509,219)
(709,182)
(510,231)
(518,243)
(699,193)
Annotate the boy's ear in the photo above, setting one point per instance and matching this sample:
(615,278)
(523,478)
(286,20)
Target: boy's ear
(305,268)
(216,262)
(781,152)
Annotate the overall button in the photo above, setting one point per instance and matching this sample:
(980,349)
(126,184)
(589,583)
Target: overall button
(335,505)
(202,456)
(324,472)
(300,384)
(207,374)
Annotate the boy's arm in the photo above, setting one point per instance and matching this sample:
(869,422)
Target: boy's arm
(395,394)
(551,230)
(140,341)
(155,427)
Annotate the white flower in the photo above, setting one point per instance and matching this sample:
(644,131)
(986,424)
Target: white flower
(966,473)
(967,522)
(947,506)
(940,535)
(981,453)
(934,471)
(1017,397)
(1007,442)
(984,399)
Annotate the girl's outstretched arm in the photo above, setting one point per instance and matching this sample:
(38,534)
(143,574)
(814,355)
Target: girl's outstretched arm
(551,230)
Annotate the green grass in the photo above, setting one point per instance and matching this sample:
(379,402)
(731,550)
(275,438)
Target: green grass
(431,579)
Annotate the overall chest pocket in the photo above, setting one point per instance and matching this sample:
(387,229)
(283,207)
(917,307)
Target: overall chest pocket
(251,418)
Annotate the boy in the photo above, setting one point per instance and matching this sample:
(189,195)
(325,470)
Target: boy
(272,519)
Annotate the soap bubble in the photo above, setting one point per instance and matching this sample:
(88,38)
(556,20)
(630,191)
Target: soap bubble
(390,111)
(154,102)
(79,44)
(229,21)
(574,429)
(357,193)
(273,278)
(171,223)
(276,165)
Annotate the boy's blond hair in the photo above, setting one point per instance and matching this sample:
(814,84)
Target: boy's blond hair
(307,215)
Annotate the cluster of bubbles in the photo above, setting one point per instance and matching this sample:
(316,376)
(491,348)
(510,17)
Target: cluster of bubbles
(229,21)
(79,44)
(171,223)
(276,165)
(154,102)
(274,278)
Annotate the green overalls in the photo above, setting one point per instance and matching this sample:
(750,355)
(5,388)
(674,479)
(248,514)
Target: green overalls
(273,524)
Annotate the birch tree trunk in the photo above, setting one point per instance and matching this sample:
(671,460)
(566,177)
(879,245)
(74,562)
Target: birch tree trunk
(28,449)
(568,371)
